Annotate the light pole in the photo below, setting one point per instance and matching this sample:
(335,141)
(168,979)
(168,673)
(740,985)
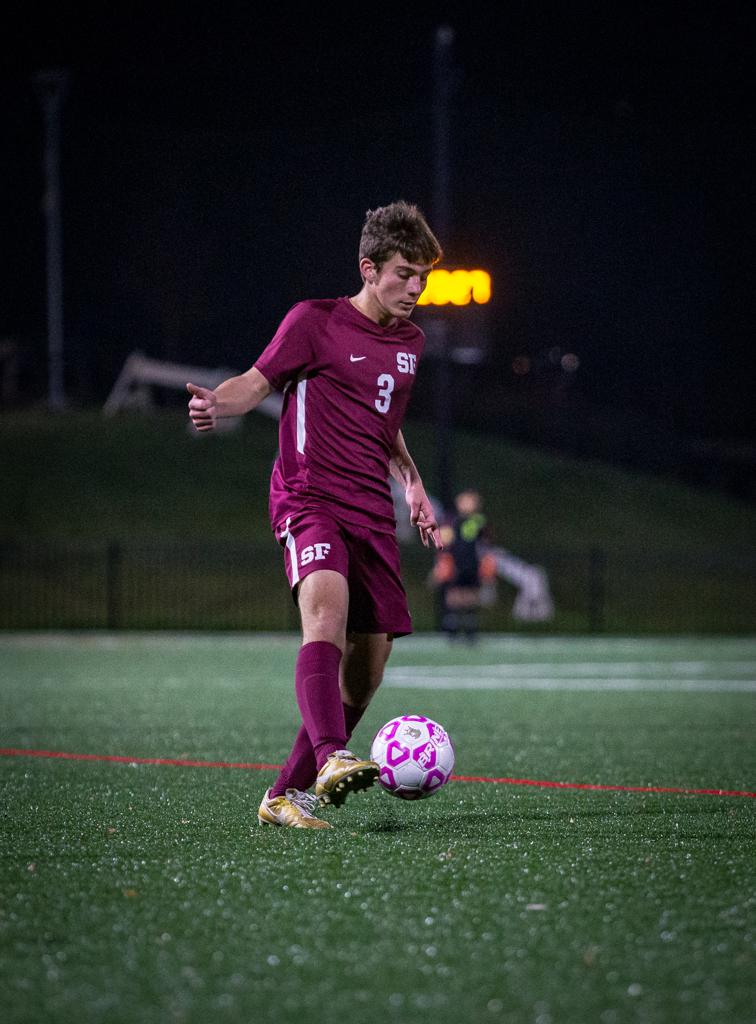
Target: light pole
(50,86)
(442,87)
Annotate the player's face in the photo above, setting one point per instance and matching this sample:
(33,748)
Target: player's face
(397,286)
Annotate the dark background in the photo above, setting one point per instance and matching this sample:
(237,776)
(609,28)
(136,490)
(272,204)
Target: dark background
(217,165)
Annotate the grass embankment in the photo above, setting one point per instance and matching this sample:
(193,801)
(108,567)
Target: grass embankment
(138,476)
(672,557)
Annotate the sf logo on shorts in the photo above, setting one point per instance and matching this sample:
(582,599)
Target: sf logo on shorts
(314,553)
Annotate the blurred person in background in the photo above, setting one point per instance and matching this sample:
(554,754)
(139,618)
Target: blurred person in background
(463,572)
(346,367)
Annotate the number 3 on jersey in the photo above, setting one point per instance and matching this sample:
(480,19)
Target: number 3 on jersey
(385,387)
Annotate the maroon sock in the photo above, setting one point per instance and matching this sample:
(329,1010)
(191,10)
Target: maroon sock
(319,698)
(352,717)
(300,770)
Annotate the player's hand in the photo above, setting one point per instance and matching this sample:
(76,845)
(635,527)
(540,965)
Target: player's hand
(422,515)
(203,407)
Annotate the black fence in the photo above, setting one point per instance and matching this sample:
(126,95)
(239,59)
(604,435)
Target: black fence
(216,586)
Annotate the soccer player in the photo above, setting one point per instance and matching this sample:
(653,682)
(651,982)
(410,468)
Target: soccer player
(463,568)
(346,367)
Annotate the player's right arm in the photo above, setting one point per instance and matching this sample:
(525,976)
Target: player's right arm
(234,397)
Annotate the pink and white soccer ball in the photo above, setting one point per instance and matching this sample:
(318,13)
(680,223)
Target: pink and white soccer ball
(416,756)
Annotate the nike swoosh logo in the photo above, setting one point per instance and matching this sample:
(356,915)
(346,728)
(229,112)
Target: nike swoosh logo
(356,359)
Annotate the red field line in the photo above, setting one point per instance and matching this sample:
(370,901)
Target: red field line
(183,762)
(179,762)
(545,784)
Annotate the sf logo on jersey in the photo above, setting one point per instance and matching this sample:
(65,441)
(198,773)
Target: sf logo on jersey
(406,362)
(314,552)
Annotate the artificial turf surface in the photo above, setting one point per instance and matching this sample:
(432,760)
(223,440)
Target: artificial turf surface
(137,892)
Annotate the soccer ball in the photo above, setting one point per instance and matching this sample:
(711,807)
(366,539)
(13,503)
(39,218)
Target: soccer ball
(415,755)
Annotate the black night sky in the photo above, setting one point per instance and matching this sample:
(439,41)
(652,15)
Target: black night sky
(217,165)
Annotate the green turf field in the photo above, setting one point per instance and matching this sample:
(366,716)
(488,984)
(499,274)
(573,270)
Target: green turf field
(142,892)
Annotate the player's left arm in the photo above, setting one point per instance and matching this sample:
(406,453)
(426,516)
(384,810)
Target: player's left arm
(404,471)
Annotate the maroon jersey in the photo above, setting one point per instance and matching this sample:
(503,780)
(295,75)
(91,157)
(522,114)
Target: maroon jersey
(346,383)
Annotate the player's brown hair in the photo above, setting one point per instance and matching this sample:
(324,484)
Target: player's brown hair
(399,227)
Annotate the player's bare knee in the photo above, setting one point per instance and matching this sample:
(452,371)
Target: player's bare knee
(324,630)
(323,608)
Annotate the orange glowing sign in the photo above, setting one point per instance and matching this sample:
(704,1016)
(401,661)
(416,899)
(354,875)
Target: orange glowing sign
(458,287)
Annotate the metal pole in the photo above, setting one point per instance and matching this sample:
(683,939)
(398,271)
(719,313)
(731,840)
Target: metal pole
(113,573)
(51,88)
(596,590)
(442,85)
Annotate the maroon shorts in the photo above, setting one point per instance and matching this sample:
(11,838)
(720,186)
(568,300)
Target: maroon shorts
(368,560)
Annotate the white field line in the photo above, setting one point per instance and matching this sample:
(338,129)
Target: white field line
(398,682)
(562,677)
(581,669)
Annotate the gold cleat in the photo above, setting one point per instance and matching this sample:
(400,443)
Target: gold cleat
(342,774)
(293,809)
